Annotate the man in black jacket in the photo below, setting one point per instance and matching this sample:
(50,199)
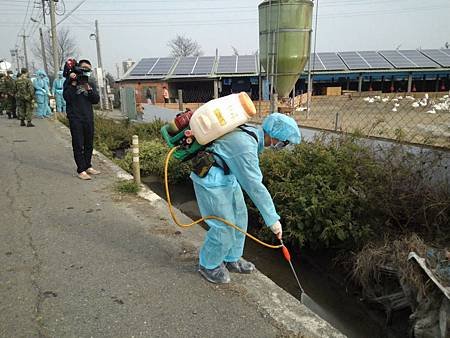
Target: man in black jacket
(80,95)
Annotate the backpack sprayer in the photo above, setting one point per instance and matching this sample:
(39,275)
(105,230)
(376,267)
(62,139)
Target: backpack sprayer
(189,134)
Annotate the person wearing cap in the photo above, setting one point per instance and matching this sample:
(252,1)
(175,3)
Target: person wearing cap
(220,194)
(58,87)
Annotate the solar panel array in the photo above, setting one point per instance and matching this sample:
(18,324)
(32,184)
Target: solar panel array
(375,60)
(227,65)
(353,60)
(397,59)
(332,61)
(204,65)
(438,55)
(248,64)
(162,67)
(315,63)
(185,66)
(418,59)
(445,51)
(143,66)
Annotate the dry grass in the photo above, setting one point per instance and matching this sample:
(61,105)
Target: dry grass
(371,261)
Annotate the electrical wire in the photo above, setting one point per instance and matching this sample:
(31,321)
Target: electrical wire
(71,12)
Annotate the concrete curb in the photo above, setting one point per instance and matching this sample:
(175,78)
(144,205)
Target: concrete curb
(284,310)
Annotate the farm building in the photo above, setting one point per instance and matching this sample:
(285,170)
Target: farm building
(205,77)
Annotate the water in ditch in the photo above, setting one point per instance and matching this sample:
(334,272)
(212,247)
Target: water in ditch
(331,300)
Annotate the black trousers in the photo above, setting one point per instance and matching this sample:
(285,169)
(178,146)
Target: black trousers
(82,142)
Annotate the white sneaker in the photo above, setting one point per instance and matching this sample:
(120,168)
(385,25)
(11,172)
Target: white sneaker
(92,171)
(84,176)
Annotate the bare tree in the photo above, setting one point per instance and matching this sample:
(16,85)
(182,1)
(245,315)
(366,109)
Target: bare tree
(66,45)
(235,51)
(183,46)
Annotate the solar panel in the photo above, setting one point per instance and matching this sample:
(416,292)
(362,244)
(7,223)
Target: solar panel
(317,64)
(332,61)
(204,65)
(445,51)
(143,66)
(397,59)
(246,64)
(227,64)
(185,65)
(162,67)
(418,58)
(437,55)
(353,60)
(375,60)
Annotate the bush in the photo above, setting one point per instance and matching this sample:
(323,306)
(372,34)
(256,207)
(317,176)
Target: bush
(149,131)
(338,192)
(127,187)
(152,158)
(112,134)
(320,191)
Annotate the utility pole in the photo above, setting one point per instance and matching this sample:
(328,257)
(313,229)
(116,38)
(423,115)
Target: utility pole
(102,89)
(54,38)
(43,12)
(24,37)
(118,71)
(44,56)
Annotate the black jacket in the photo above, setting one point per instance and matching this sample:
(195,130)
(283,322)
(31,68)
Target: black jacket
(79,101)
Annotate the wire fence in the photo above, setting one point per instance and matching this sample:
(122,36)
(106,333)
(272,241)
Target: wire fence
(418,118)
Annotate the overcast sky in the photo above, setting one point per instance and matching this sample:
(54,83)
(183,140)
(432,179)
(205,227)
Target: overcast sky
(141,28)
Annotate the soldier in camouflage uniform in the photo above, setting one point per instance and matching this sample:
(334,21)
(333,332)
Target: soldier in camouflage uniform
(25,98)
(10,95)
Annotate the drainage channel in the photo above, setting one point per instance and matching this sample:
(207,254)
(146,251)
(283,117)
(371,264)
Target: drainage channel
(331,300)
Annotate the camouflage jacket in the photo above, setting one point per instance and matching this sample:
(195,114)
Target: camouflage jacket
(24,89)
(9,86)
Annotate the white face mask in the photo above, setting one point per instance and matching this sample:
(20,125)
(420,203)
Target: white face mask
(277,146)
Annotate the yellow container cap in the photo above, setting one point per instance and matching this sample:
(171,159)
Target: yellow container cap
(247,104)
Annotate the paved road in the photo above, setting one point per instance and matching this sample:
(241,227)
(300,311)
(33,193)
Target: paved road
(76,260)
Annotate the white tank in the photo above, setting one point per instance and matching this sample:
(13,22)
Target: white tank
(220,116)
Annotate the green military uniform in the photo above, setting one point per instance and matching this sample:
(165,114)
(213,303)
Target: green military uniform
(10,97)
(2,93)
(25,98)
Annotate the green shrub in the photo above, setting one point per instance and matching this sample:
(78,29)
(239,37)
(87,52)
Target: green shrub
(127,187)
(149,131)
(112,134)
(152,158)
(339,192)
(319,191)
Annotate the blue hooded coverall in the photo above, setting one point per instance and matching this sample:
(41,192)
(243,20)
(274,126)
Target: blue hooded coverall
(58,87)
(41,87)
(221,195)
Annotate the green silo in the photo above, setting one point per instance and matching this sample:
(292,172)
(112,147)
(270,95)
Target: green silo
(285,32)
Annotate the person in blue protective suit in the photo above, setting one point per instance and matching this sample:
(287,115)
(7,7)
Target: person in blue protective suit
(219,193)
(58,88)
(42,92)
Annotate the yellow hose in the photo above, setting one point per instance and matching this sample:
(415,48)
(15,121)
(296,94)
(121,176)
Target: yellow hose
(172,213)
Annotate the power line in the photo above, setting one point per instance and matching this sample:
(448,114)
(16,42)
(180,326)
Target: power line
(72,11)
